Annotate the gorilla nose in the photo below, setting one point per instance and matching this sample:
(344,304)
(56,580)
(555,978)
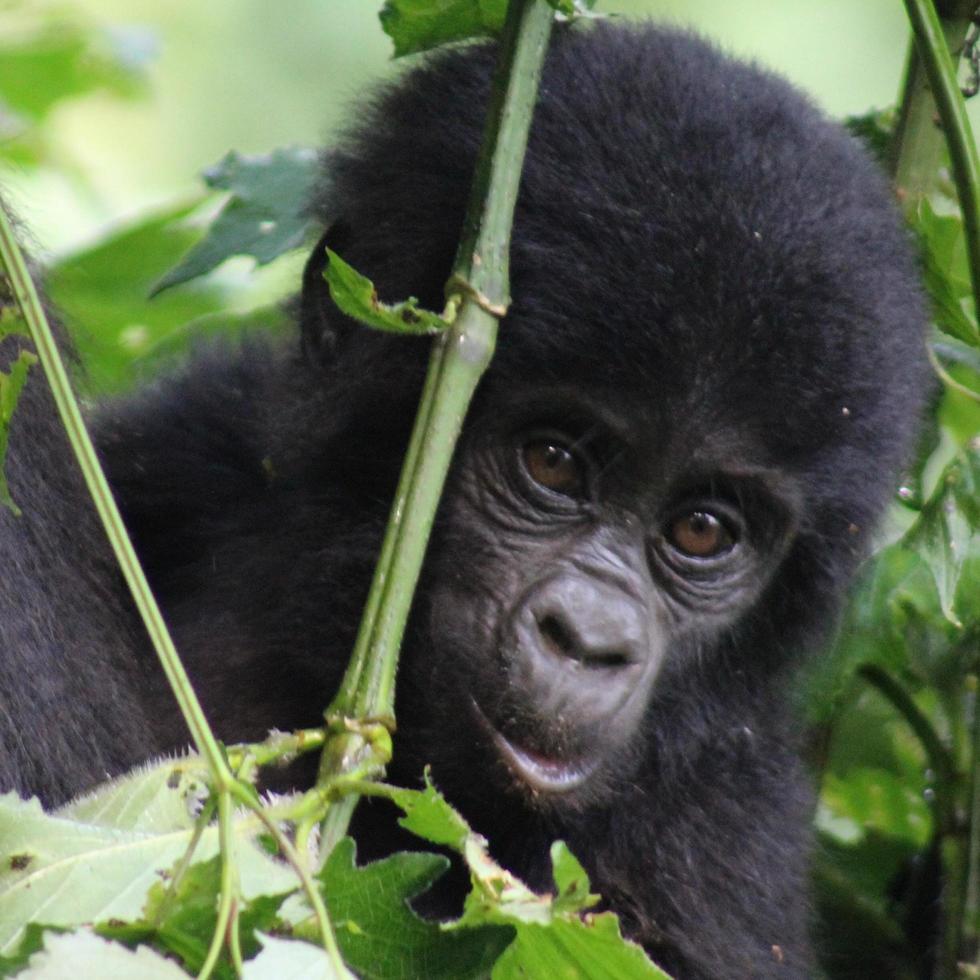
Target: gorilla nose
(595,623)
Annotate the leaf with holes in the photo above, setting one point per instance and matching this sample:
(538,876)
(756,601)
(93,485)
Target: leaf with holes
(263,217)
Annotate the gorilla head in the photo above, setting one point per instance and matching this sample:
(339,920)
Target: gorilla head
(702,394)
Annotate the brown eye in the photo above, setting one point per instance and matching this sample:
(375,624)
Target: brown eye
(552,466)
(699,535)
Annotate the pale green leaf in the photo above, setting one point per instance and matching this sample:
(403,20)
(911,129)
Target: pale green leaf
(84,955)
(291,959)
(11,384)
(96,859)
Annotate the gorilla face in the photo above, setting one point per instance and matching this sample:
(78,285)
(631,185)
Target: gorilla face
(599,567)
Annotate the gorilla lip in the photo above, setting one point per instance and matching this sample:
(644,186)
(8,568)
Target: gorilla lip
(541,773)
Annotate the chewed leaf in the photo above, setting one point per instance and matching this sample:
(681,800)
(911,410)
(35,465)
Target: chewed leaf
(356,296)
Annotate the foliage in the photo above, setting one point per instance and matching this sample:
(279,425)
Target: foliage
(135,863)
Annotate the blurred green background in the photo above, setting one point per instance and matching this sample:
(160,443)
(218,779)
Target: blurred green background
(256,74)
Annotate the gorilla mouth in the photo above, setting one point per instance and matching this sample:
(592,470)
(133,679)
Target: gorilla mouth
(542,773)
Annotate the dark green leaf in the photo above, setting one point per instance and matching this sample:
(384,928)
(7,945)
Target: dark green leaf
(356,296)
(875,129)
(381,938)
(417,25)
(263,216)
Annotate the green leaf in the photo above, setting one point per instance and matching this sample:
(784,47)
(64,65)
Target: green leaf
(382,938)
(82,954)
(97,858)
(575,949)
(356,296)
(875,129)
(65,61)
(553,939)
(946,272)
(571,880)
(263,217)
(418,25)
(102,292)
(945,530)
(12,382)
(875,800)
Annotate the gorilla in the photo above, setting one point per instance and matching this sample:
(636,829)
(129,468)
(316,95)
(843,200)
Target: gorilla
(703,393)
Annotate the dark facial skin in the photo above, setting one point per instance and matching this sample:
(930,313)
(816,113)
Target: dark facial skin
(599,573)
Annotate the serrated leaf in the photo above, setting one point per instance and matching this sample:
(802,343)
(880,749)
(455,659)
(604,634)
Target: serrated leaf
(263,217)
(382,938)
(356,296)
(592,948)
(291,959)
(82,954)
(552,940)
(12,382)
(97,858)
(428,815)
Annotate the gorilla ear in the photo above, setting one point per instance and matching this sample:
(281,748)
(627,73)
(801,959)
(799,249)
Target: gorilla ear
(322,324)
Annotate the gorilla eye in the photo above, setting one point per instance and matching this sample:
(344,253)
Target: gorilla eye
(552,466)
(700,535)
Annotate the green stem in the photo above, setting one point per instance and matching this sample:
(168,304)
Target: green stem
(951,845)
(228,898)
(479,285)
(71,417)
(918,144)
(932,47)
(300,866)
(940,759)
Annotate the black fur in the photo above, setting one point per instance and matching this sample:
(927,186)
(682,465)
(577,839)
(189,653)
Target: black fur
(695,248)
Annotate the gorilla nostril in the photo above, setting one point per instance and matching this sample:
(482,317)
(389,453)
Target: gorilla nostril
(607,658)
(559,640)
(556,637)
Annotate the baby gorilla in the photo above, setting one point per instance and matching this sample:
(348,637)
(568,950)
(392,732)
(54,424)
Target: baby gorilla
(703,392)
